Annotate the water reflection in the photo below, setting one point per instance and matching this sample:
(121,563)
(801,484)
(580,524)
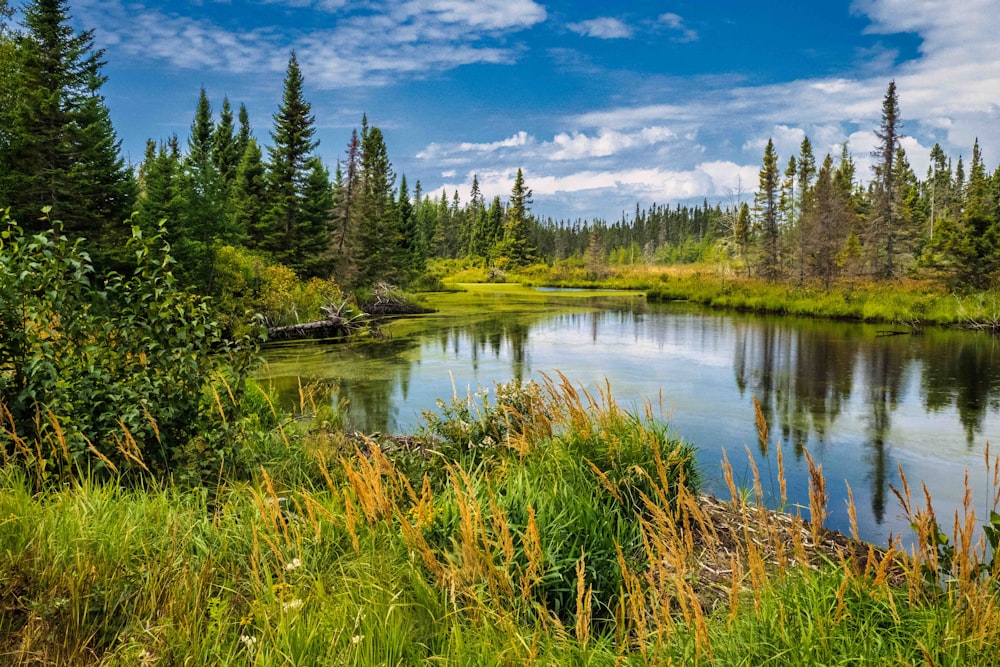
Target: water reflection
(862,403)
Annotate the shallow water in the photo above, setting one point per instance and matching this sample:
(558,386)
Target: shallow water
(861,402)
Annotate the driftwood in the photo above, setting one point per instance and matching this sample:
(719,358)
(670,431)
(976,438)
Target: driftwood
(336,324)
(387,303)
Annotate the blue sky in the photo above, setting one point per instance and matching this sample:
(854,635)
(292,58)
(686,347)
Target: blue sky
(602,104)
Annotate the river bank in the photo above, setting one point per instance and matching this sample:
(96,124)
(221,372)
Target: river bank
(908,303)
(554,529)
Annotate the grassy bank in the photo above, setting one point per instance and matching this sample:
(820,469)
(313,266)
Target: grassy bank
(540,526)
(912,303)
(905,302)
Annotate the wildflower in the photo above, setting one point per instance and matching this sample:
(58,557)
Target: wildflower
(291,605)
(249,641)
(293,564)
(357,639)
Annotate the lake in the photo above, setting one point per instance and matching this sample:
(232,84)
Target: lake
(862,402)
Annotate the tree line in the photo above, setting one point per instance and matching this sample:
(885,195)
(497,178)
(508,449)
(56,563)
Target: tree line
(355,222)
(820,223)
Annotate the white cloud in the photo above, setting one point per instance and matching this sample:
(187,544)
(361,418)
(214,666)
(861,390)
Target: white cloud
(676,23)
(518,139)
(462,151)
(577,145)
(482,14)
(709,179)
(182,41)
(787,141)
(348,45)
(630,117)
(602,28)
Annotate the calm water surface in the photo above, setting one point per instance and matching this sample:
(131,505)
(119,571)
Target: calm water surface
(862,403)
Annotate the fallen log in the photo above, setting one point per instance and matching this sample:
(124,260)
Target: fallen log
(334,325)
(320,329)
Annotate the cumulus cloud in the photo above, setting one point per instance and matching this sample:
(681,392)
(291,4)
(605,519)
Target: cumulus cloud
(518,139)
(602,28)
(577,145)
(708,179)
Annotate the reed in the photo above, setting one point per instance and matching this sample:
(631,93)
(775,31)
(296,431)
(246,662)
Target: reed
(585,540)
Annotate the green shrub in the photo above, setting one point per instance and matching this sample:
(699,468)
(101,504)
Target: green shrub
(246,283)
(128,374)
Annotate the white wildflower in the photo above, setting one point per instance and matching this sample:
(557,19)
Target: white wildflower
(249,641)
(293,564)
(291,605)
(357,639)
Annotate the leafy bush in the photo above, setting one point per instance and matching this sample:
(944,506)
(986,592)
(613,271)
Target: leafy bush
(128,374)
(246,283)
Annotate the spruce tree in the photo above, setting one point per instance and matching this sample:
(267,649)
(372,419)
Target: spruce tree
(378,228)
(766,201)
(159,188)
(202,218)
(288,171)
(248,201)
(57,142)
(968,251)
(516,229)
(226,153)
(411,257)
(806,170)
(313,251)
(244,134)
(882,223)
(826,226)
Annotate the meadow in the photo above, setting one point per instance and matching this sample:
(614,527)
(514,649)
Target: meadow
(530,524)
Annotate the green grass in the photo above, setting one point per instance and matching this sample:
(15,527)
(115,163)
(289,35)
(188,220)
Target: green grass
(902,302)
(552,528)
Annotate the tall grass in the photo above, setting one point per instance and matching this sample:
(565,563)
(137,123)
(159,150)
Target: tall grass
(581,538)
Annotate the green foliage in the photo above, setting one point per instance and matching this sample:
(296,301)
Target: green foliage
(58,148)
(515,245)
(379,236)
(576,479)
(295,225)
(471,428)
(131,375)
(248,284)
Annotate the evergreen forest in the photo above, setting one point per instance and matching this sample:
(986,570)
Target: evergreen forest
(261,207)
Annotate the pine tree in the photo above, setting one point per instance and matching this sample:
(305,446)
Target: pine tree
(313,251)
(882,223)
(226,153)
(378,229)
(58,145)
(248,201)
(288,171)
(766,201)
(411,249)
(515,235)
